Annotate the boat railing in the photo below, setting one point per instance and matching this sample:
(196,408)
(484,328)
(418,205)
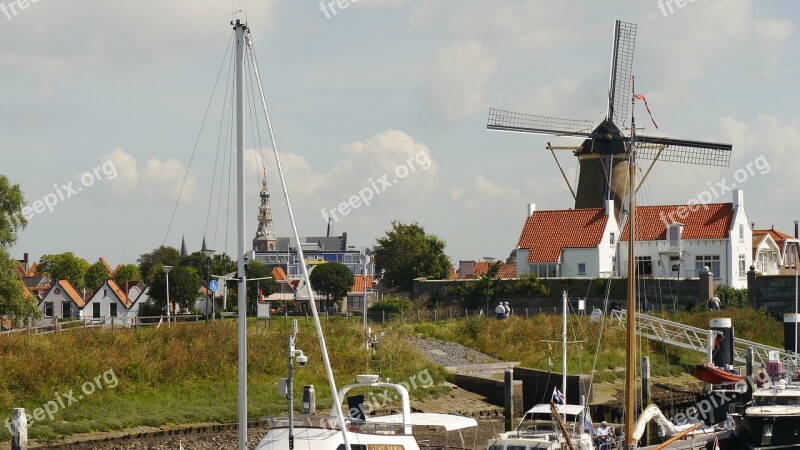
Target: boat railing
(736,408)
(331,423)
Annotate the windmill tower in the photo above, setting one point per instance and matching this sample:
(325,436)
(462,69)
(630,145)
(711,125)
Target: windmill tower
(602,158)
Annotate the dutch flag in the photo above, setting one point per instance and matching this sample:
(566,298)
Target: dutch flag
(558,397)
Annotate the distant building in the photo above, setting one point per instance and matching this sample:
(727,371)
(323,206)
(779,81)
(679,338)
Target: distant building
(775,253)
(62,301)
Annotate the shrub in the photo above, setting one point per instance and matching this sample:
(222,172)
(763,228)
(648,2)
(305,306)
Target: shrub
(391,303)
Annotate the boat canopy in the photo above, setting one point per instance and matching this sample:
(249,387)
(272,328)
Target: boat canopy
(446,421)
(544,408)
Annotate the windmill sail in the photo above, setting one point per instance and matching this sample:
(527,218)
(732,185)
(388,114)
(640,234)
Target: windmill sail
(619,89)
(529,123)
(683,151)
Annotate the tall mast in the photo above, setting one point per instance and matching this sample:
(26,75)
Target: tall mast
(240,29)
(564,347)
(630,339)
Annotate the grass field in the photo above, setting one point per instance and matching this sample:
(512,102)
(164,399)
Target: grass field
(188,373)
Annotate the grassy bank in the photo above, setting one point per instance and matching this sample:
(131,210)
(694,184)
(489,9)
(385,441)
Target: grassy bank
(182,374)
(535,342)
(188,373)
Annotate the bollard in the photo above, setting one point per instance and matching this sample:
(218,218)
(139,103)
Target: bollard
(309,399)
(526,313)
(508,410)
(646,392)
(19,425)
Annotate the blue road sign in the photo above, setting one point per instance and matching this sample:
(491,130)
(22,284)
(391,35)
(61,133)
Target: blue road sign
(214,285)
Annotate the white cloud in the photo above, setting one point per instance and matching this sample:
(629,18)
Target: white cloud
(454,85)
(156,181)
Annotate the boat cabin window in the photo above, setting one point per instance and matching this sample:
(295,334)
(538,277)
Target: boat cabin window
(775,401)
(361,447)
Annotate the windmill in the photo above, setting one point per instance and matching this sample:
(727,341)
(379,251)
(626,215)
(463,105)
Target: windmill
(602,158)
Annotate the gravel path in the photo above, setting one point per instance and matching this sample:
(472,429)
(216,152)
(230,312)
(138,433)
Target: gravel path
(450,353)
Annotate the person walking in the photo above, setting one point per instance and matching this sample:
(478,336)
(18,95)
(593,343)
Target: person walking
(715,304)
(500,311)
(507,308)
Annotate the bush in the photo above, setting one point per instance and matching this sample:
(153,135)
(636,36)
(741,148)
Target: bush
(391,303)
(732,297)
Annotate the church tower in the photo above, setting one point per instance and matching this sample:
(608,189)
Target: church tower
(265,240)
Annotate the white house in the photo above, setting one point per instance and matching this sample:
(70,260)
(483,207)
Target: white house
(678,241)
(568,243)
(110,301)
(774,252)
(62,301)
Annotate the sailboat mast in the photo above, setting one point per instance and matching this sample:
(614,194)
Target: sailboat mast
(630,339)
(240,29)
(564,347)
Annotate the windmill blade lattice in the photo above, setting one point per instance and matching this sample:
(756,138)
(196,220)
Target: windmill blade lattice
(529,123)
(619,91)
(683,151)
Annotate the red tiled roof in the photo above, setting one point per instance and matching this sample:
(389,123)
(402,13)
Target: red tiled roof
(758,237)
(33,270)
(278,274)
(478,269)
(123,297)
(453,274)
(21,270)
(777,236)
(546,233)
(710,221)
(358,284)
(72,293)
(107,266)
(508,271)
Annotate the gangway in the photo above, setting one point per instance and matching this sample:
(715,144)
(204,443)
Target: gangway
(693,338)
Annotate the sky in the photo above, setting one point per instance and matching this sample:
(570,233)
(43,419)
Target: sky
(102,103)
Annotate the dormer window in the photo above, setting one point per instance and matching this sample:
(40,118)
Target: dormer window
(674,235)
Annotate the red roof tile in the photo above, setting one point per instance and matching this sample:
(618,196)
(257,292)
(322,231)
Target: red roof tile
(710,221)
(453,274)
(508,271)
(358,285)
(546,233)
(72,293)
(278,274)
(123,297)
(777,236)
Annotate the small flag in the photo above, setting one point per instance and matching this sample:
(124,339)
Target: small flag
(642,98)
(587,421)
(558,397)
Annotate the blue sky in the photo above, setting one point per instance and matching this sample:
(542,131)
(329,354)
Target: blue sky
(357,94)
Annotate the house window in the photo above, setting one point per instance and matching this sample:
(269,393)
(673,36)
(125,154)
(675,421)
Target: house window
(581,268)
(66,310)
(742,266)
(613,239)
(741,232)
(113,310)
(355,303)
(545,270)
(674,236)
(644,265)
(96,310)
(712,261)
(48,309)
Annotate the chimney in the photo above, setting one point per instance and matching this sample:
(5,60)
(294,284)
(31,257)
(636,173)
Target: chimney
(796,223)
(531,209)
(25,255)
(610,208)
(752,225)
(738,198)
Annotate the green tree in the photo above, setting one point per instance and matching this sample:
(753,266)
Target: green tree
(13,299)
(65,266)
(407,253)
(96,275)
(184,286)
(530,285)
(392,303)
(333,280)
(126,273)
(255,269)
(12,202)
(166,256)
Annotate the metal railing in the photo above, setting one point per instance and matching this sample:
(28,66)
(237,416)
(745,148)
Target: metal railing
(105,322)
(693,338)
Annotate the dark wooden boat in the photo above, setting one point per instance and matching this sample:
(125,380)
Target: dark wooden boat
(715,375)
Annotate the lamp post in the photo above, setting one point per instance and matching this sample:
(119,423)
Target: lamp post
(489,260)
(365,259)
(205,251)
(796,268)
(166,270)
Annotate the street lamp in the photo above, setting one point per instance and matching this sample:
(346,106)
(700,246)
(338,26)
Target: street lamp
(166,270)
(489,260)
(365,259)
(205,251)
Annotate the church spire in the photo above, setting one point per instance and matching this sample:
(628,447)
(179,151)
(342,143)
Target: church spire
(265,240)
(184,252)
